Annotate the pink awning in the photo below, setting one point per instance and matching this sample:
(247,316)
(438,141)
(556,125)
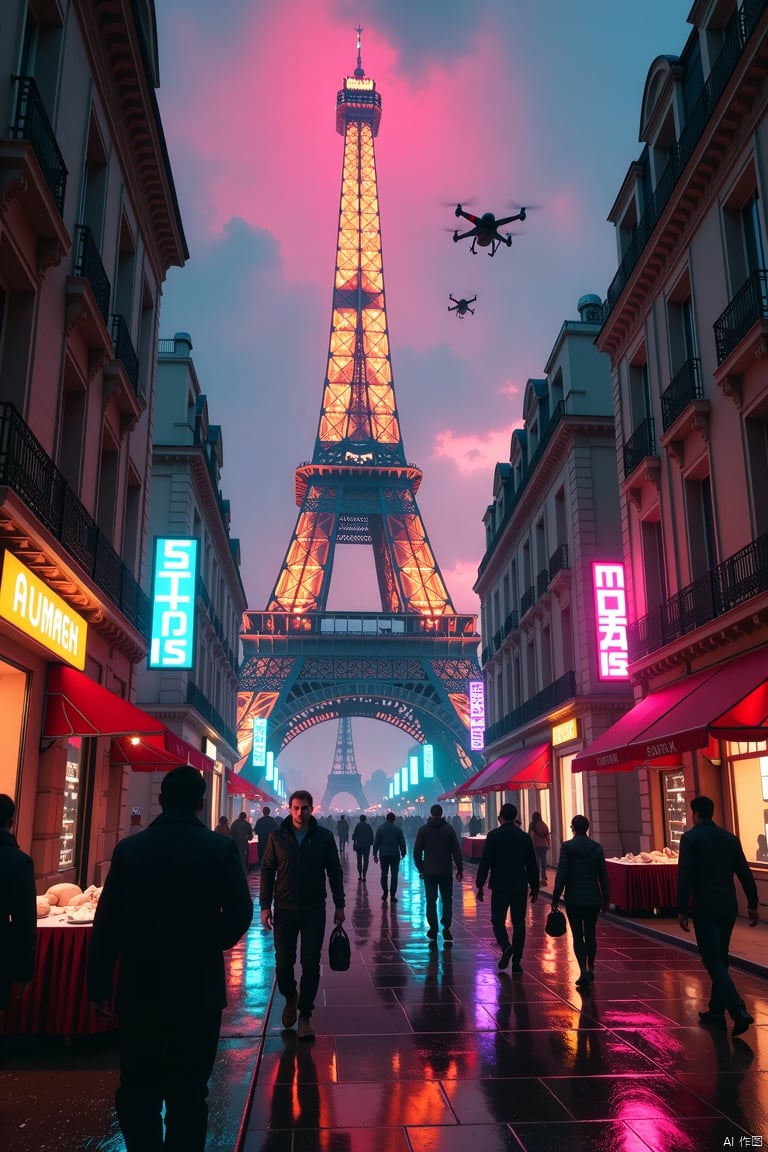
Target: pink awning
(237,785)
(521,768)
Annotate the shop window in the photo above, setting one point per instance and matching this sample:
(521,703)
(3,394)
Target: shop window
(572,793)
(673,805)
(749,774)
(13,700)
(71,806)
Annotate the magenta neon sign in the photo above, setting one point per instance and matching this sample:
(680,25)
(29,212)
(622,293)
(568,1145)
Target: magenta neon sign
(611,621)
(476,696)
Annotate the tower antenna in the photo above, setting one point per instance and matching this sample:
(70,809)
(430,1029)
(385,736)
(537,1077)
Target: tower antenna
(359,73)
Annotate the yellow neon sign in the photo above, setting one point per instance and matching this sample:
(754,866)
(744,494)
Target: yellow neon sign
(562,733)
(37,611)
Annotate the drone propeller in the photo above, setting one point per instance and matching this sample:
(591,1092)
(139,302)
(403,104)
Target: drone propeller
(515,206)
(452,203)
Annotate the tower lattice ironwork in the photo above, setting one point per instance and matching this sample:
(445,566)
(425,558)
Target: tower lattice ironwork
(409,664)
(344,776)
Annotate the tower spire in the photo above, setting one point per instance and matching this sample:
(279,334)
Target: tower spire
(359,73)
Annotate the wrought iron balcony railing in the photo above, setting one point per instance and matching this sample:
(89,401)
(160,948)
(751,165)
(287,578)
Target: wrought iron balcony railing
(32,124)
(88,265)
(542,582)
(197,699)
(558,561)
(27,470)
(685,387)
(749,14)
(527,600)
(749,305)
(641,444)
(125,352)
(736,580)
(555,693)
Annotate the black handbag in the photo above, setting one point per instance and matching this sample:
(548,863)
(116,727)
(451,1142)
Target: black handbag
(556,923)
(339,950)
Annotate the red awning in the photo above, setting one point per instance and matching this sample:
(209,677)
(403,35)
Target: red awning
(523,767)
(238,786)
(461,789)
(479,783)
(75,705)
(728,701)
(157,753)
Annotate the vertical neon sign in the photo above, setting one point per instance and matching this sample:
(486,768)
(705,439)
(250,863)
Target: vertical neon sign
(476,695)
(259,757)
(173,604)
(611,621)
(428,762)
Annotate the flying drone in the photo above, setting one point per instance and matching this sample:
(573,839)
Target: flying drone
(462,306)
(485,229)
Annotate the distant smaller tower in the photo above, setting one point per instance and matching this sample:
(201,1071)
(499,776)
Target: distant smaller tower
(344,776)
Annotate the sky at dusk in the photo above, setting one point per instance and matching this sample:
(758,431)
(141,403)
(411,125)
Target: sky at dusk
(499,101)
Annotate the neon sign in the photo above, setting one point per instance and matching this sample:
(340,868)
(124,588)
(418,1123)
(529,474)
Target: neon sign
(611,621)
(476,695)
(259,757)
(173,604)
(428,762)
(413,764)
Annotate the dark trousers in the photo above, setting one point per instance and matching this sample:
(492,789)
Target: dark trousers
(390,867)
(444,886)
(713,938)
(517,904)
(166,1057)
(363,856)
(289,924)
(541,860)
(583,920)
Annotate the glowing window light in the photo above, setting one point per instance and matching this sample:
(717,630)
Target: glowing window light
(413,764)
(269,772)
(476,695)
(259,756)
(611,621)
(428,762)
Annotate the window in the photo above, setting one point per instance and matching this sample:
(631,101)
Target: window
(743,228)
(701,528)
(749,776)
(654,578)
(639,394)
(682,338)
(71,438)
(108,484)
(756,436)
(673,807)
(13,703)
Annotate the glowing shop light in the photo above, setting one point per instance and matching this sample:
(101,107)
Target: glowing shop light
(611,621)
(173,604)
(404,779)
(396,784)
(259,757)
(269,771)
(476,695)
(413,763)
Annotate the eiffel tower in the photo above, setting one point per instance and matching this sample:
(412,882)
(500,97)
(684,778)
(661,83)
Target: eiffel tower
(344,776)
(408,665)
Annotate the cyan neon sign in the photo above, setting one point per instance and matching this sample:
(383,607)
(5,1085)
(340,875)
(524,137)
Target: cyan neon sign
(259,757)
(173,604)
(428,755)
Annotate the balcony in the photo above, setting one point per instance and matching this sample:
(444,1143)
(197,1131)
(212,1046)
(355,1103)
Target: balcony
(686,387)
(527,601)
(641,445)
(88,292)
(33,182)
(741,332)
(736,580)
(555,694)
(200,702)
(27,470)
(560,573)
(121,375)
(697,119)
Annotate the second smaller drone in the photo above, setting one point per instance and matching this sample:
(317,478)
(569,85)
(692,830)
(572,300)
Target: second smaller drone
(461,307)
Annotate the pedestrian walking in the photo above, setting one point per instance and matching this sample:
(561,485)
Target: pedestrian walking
(300,855)
(18,910)
(709,859)
(539,834)
(508,859)
(223,827)
(582,874)
(242,834)
(265,824)
(174,900)
(435,850)
(389,848)
(362,841)
(342,831)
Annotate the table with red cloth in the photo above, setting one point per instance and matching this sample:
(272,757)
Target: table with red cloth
(642,887)
(253,853)
(472,847)
(56,1001)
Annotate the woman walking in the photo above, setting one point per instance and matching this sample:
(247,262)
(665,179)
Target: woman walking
(581,871)
(539,833)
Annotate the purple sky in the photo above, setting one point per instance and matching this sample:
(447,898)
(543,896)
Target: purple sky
(500,101)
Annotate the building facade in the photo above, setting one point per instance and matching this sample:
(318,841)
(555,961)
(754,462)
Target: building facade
(685,330)
(89,225)
(554,515)
(196,697)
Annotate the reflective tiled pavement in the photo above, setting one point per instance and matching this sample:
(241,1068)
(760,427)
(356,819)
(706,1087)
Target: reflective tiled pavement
(421,1047)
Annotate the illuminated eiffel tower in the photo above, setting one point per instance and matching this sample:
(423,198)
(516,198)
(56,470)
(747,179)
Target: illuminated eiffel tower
(408,665)
(344,776)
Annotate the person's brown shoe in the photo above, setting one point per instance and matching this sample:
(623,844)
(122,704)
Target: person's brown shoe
(305,1030)
(290,1011)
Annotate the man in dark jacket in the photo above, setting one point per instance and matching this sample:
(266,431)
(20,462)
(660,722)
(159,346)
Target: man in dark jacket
(242,833)
(300,854)
(709,858)
(362,840)
(582,873)
(435,849)
(265,824)
(18,911)
(389,846)
(509,858)
(175,899)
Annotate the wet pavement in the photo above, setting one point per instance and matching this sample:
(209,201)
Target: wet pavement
(424,1047)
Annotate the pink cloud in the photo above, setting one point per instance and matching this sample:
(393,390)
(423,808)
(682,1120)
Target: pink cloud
(474,452)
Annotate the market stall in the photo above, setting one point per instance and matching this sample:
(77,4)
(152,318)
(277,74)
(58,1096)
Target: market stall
(638,886)
(472,847)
